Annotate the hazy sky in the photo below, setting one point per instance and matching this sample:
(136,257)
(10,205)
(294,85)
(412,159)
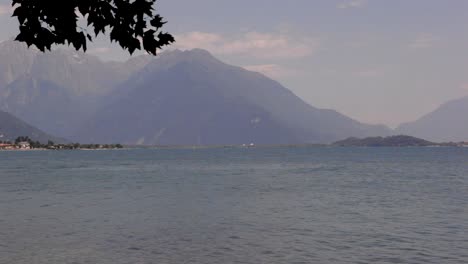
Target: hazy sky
(378,61)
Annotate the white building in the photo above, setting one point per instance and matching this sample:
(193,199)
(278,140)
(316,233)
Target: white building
(24,145)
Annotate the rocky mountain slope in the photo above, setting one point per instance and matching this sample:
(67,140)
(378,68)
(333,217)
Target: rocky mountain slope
(12,127)
(178,98)
(192,98)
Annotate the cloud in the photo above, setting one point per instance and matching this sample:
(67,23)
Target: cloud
(423,41)
(271,70)
(252,44)
(6,10)
(464,86)
(351,4)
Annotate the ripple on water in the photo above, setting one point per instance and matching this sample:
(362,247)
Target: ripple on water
(265,205)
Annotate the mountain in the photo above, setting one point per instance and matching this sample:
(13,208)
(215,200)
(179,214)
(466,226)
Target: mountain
(12,127)
(392,141)
(449,122)
(56,91)
(44,104)
(191,98)
(188,98)
(15,61)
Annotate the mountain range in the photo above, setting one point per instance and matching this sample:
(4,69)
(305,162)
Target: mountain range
(190,97)
(177,98)
(57,91)
(11,127)
(449,122)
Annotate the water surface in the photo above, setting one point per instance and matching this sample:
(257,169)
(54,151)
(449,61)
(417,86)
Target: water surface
(252,205)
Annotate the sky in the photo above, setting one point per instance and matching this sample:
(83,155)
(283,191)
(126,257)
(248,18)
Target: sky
(377,61)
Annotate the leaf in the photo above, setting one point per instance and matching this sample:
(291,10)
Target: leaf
(46,22)
(157,22)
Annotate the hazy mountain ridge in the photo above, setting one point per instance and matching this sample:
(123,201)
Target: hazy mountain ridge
(81,73)
(449,122)
(16,60)
(170,115)
(56,91)
(12,127)
(187,94)
(180,97)
(43,104)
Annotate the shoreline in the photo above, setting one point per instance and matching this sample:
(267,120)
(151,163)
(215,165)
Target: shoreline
(225,147)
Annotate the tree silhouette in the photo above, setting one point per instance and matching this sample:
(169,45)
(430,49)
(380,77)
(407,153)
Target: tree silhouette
(133,24)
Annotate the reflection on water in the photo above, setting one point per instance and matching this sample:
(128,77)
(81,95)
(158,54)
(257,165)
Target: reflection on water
(256,205)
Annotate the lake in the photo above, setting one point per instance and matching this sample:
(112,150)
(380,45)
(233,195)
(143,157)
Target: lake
(235,205)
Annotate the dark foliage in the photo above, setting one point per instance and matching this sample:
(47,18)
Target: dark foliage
(131,23)
(51,145)
(393,141)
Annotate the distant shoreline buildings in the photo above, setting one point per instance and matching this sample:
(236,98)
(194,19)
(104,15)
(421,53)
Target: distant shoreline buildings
(25,143)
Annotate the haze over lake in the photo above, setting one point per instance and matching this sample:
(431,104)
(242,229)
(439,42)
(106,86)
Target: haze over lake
(235,205)
(233,132)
